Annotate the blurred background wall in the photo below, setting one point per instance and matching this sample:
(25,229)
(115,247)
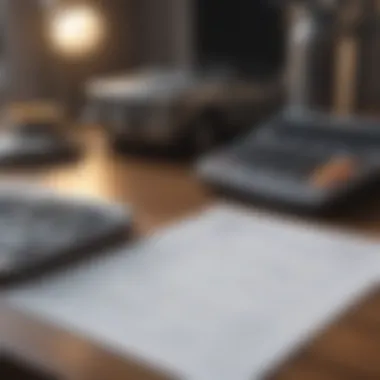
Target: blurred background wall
(25,57)
(145,32)
(162,33)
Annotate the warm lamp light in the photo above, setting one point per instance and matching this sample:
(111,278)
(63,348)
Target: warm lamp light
(76,30)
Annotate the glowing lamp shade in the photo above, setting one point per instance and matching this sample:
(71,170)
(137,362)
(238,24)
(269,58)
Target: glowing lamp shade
(76,31)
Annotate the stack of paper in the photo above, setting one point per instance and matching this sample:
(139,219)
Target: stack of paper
(226,295)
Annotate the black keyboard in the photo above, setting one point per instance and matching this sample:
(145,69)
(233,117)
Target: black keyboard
(39,230)
(305,160)
(277,161)
(321,134)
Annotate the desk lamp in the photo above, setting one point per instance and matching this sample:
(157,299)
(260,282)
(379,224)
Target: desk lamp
(73,31)
(76,32)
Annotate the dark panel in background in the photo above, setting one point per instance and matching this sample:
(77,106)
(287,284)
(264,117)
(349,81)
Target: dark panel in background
(369,61)
(247,34)
(155,32)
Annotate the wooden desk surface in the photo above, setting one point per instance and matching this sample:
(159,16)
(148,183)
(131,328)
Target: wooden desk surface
(162,193)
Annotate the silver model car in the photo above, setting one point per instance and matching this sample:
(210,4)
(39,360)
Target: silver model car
(179,109)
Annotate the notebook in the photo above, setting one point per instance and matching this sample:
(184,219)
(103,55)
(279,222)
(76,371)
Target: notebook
(226,294)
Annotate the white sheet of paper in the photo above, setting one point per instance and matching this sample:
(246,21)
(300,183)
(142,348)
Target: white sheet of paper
(226,295)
